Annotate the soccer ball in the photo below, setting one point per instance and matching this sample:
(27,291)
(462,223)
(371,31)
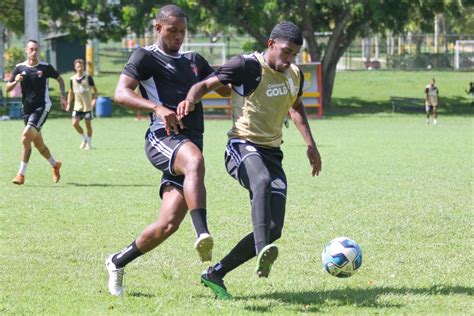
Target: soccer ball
(342,257)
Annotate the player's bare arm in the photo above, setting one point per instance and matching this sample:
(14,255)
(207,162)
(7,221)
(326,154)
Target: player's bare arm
(95,93)
(11,85)
(63,92)
(70,100)
(195,94)
(298,115)
(125,95)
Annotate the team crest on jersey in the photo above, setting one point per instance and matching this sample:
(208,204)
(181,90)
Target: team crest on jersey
(194,68)
(39,73)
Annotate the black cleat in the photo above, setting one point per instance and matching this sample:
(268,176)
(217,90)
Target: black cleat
(215,283)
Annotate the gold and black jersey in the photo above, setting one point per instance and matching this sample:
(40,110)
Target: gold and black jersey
(81,86)
(258,115)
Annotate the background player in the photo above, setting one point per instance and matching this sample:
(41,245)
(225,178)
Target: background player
(33,74)
(164,76)
(84,100)
(431,101)
(265,86)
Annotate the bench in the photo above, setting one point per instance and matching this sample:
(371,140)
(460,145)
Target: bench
(407,104)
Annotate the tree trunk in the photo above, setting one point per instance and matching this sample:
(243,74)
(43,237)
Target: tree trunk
(329,75)
(308,32)
(342,36)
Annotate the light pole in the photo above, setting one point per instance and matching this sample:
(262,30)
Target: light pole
(31,20)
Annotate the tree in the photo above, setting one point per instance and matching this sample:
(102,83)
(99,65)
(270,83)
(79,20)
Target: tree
(344,19)
(83,19)
(11,15)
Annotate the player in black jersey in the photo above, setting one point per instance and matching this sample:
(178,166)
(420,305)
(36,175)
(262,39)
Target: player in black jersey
(164,76)
(33,76)
(264,88)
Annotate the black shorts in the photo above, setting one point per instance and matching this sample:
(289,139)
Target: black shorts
(161,151)
(237,150)
(82,115)
(37,118)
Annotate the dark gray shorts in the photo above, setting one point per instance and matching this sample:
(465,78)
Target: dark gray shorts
(161,151)
(82,115)
(37,118)
(237,150)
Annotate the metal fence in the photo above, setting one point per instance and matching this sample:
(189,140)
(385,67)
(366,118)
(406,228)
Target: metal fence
(407,52)
(403,52)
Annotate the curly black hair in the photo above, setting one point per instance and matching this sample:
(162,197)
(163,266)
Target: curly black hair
(287,31)
(170,10)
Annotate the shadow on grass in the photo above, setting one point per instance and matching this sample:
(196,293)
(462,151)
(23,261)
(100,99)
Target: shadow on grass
(313,301)
(357,106)
(140,294)
(108,185)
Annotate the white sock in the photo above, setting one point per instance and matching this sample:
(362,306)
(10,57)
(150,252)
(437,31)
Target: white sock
(434,121)
(23,166)
(52,161)
(83,137)
(88,140)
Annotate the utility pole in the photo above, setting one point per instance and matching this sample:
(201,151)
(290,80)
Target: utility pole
(31,20)
(2,49)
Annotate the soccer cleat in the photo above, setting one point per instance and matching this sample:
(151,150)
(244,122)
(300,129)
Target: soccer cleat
(56,175)
(87,146)
(203,246)
(115,277)
(215,283)
(19,179)
(265,260)
(83,145)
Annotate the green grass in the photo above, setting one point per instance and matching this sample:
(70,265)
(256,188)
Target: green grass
(402,189)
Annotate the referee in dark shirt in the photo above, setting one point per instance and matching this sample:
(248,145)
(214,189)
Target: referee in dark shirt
(33,74)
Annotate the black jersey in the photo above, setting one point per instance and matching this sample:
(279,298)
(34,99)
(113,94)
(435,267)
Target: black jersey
(166,80)
(34,87)
(244,72)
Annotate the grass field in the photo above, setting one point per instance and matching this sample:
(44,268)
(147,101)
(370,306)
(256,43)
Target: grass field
(402,189)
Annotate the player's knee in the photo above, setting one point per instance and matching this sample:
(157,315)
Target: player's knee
(261,182)
(195,164)
(26,141)
(169,228)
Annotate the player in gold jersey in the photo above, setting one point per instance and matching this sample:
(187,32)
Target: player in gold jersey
(264,88)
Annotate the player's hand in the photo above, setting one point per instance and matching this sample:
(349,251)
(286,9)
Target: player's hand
(63,103)
(20,77)
(184,107)
(314,159)
(171,120)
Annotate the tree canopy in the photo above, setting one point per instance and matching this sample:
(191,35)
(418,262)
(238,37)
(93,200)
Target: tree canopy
(344,20)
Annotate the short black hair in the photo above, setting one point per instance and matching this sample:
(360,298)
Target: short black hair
(170,10)
(32,41)
(287,31)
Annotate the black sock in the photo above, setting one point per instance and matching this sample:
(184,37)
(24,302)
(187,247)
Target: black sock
(126,256)
(199,218)
(241,253)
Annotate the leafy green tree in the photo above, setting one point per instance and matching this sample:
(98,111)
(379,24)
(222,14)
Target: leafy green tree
(11,15)
(344,19)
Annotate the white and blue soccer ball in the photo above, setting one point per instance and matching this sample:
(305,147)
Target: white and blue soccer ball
(342,257)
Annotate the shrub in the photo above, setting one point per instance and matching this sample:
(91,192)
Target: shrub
(13,56)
